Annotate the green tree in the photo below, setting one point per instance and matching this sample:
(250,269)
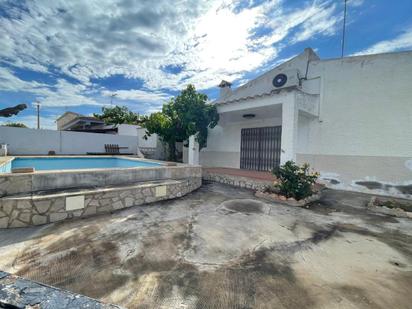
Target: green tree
(183,116)
(14,124)
(118,115)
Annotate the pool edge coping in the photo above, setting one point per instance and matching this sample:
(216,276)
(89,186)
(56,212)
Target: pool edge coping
(65,171)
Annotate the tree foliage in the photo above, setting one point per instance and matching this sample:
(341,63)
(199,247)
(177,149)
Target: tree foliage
(14,124)
(118,115)
(187,114)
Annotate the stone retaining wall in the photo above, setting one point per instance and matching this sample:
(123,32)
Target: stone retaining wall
(28,210)
(237,181)
(376,204)
(16,292)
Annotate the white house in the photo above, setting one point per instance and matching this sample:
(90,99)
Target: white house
(349,118)
(70,121)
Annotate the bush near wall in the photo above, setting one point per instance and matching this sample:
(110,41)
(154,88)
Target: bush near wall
(295,181)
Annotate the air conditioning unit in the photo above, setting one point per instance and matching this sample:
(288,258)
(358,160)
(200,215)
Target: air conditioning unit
(286,79)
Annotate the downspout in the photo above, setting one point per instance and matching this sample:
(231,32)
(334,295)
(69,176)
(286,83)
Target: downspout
(306,73)
(321,87)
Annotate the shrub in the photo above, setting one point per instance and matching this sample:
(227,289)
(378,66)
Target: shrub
(294,180)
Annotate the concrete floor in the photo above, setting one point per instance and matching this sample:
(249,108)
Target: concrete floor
(220,247)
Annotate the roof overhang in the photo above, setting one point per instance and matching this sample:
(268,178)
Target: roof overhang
(81,119)
(273,98)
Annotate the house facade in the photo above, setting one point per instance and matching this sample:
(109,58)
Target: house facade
(349,118)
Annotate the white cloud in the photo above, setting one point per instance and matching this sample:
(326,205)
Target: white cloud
(144,101)
(9,82)
(401,42)
(66,94)
(98,38)
(318,19)
(226,44)
(60,94)
(138,95)
(355,3)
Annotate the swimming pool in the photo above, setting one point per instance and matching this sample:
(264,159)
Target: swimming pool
(67,163)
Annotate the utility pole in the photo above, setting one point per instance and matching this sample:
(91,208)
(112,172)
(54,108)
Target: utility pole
(37,104)
(344,28)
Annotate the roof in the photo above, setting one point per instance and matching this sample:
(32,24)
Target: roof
(81,118)
(67,113)
(98,129)
(90,118)
(262,85)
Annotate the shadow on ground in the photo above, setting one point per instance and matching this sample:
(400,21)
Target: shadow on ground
(220,247)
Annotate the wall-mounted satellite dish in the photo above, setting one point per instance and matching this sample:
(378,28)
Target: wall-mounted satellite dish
(279,80)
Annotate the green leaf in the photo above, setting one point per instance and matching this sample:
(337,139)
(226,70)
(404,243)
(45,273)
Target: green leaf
(187,114)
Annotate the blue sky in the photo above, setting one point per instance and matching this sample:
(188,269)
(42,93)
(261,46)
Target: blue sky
(74,55)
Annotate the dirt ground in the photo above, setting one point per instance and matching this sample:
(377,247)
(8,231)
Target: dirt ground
(220,247)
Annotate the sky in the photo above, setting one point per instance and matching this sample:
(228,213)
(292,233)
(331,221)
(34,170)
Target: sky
(82,55)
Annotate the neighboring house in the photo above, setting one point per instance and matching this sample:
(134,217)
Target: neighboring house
(71,121)
(350,118)
(150,147)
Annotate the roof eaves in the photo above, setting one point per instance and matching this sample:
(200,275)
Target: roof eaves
(265,94)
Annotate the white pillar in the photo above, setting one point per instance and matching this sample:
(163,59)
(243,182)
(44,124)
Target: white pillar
(289,130)
(193,152)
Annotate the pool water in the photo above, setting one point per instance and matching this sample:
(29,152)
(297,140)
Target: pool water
(41,164)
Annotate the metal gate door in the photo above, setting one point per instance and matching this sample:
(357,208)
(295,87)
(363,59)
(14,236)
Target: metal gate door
(260,148)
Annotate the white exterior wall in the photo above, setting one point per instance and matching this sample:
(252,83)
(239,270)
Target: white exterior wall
(65,119)
(359,136)
(363,138)
(33,142)
(223,143)
(366,106)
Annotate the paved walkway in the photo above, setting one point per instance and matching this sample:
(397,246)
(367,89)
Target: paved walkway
(220,247)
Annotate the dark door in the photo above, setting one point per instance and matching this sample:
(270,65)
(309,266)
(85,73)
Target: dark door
(260,148)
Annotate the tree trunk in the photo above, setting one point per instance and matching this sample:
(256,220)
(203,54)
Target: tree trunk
(172,151)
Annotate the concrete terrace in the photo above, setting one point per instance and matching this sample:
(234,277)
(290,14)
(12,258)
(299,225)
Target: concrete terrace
(220,247)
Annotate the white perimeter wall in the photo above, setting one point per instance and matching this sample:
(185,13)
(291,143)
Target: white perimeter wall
(150,142)
(32,142)
(127,129)
(139,132)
